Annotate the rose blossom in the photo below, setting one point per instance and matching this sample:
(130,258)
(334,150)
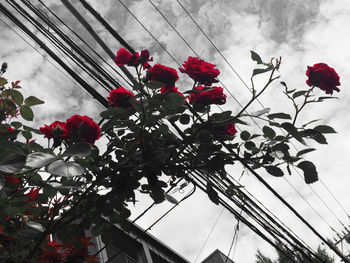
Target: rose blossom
(120,97)
(324,77)
(208,95)
(163,74)
(83,128)
(57,129)
(230,129)
(124,57)
(200,71)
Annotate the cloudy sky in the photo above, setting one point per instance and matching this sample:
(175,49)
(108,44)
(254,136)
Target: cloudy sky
(301,32)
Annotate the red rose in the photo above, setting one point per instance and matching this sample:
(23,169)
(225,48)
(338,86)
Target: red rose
(208,95)
(200,71)
(83,128)
(144,58)
(230,129)
(163,74)
(170,90)
(57,129)
(120,98)
(324,77)
(124,57)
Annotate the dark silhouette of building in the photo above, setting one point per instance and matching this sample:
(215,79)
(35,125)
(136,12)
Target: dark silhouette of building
(132,245)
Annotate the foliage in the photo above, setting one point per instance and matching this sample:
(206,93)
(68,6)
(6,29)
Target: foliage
(71,185)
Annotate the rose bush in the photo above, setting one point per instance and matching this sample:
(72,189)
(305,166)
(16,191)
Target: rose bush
(49,195)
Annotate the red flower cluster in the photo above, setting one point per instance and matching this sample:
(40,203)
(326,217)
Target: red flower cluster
(120,98)
(200,71)
(124,57)
(324,77)
(76,128)
(12,179)
(83,128)
(208,95)
(163,74)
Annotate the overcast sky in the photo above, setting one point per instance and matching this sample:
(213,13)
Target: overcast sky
(302,32)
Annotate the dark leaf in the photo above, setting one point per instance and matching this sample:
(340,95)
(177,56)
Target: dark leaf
(16,124)
(12,163)
(80,149)
(17,97)
(256,57)
(274,170)
(27,135)
(31,101)
(299,93)
(245,135)
(320,138)
(154,85)
(171,199)
(26,113)
(174,100)
(324,129)
(269,132)
(184,119)
(310,173)
(279,115)
(212,194)
(305,151)
(261,70)
(289,127)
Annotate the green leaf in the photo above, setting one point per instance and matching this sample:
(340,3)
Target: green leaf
(305,151)
(274,170)
(65,169)
(256,57)
(299,93)
(310,173)
(27,128)
(155,85)
(212,194)
(245,135)
(185,119)
(27,135)
(17,97)
(269,132)
(12,163)
(31,101)
(279,115)
(3,81)
(26,113)
(39,159)
(324,129)
(80,149)
(16,124)
(261,70)
(289,127)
